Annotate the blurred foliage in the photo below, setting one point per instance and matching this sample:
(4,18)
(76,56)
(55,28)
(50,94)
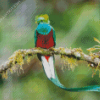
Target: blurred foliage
(82,21)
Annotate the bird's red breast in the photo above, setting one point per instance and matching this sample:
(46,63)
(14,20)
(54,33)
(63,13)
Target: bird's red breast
(45,41)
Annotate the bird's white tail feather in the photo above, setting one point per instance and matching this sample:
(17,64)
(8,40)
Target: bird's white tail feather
(48,66)
(51,64)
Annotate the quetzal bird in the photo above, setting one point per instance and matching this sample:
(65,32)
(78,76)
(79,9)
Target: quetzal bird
(45,38)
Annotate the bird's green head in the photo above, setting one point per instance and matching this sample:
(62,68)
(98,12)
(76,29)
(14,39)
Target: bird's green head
(44,18)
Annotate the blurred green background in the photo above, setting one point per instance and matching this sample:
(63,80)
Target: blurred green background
(76,22)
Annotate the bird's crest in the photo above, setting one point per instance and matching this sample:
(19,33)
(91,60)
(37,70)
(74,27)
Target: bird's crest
(42,17)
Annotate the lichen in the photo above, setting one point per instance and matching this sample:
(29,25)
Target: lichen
(17,60)
(4,74)
(68,62)
(94,67)
(62,49)
(95,47)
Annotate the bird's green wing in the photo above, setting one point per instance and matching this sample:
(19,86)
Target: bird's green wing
(35,38)
(54,36)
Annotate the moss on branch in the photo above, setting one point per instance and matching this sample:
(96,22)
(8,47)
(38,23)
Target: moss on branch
(69,55)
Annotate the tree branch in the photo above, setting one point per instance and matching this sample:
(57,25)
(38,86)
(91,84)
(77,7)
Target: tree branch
(22,55)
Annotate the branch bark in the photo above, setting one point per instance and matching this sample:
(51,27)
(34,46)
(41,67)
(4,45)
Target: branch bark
(17,58)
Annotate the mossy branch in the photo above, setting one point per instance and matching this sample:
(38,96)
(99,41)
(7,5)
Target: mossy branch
(69,56)
(19,57)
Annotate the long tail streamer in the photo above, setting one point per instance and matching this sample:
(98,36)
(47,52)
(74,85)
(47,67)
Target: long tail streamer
(48,65)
